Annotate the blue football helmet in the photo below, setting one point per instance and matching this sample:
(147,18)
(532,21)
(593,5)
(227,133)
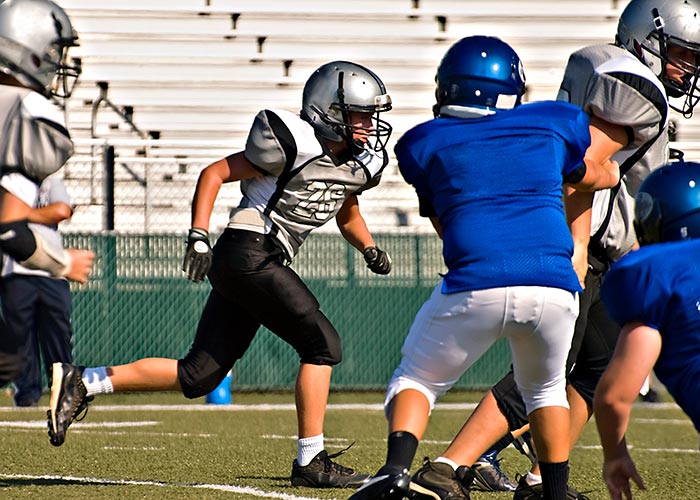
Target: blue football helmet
(480,71)
(667,205)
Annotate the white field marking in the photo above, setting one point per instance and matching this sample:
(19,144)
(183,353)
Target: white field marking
(243,490)
(156,434)
(665,421)
(290,407)
(133,448)
(254,407)
(34,424)
(635,448)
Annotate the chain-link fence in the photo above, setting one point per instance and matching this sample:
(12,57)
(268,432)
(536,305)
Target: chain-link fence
(138,304)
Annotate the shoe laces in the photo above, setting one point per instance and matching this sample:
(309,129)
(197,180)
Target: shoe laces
(330,466)
(80,409)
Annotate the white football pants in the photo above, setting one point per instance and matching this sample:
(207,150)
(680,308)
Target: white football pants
(451,332)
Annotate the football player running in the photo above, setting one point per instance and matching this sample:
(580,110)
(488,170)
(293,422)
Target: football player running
(297,172)
(653,292)
(624,87)
(487,162)
(35,36)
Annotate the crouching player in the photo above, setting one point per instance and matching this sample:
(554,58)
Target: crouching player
(655,293)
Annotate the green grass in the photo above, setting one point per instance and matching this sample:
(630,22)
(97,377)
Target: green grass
(177,450)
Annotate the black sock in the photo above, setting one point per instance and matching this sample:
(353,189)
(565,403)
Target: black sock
(401,448)
(502,443)
(554,479)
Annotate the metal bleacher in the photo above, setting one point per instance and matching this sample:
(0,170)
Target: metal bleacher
(189,76)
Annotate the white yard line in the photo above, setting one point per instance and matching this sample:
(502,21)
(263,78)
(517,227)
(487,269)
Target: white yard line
(242,490)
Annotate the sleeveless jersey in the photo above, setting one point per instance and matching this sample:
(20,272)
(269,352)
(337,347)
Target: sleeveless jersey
(659,285)
(609,82)
(304,185)
(495,183)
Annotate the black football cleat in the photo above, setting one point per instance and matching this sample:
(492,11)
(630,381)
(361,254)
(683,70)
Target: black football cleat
(322,472)
(68,400)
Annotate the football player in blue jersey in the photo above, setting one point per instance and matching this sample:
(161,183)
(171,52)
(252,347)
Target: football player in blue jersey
(654,293)
(297,172)
(627,87)
(489,173)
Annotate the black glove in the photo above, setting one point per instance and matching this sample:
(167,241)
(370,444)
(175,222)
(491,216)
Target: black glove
(198,255)
(378,261)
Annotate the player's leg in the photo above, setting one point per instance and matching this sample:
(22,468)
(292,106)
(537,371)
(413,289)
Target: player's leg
(19,305)
(53,322)
(539,366)
(449,334)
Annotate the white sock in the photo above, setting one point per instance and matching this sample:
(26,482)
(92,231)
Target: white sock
(443,460)
(533,479)
(96,381)
(308,448)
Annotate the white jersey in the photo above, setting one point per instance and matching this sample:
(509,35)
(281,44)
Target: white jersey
(52,190)
(304,185)
(609,82)
(34,142)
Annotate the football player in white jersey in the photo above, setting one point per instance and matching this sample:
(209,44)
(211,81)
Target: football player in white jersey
(625,88)
(297,172)
(34,67)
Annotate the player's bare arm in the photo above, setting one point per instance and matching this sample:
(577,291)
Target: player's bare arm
(578,205)
(354,229)
(53,213)
(637,350)
(353,226)
(230,169)
(602,171)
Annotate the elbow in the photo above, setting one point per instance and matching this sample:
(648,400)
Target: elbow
(64,212)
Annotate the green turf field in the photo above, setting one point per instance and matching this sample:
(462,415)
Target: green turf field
(125,450)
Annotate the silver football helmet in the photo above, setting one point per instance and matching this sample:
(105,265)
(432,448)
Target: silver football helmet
(34,40)
(338,88)
(648,27)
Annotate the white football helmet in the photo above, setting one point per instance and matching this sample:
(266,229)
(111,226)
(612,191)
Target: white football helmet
(648,27)
(34,40)
(338,88)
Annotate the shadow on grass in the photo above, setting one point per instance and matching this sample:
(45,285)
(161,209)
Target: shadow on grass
(53,481)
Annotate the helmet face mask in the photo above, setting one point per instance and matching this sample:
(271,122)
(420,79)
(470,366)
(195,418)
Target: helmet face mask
(35,36)
(338,89)
(482,72)
(651,29)
(667,205)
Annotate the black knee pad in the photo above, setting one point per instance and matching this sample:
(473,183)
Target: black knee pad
(199,374)
(17,240)
(317,341)
(510,401)
(10,367)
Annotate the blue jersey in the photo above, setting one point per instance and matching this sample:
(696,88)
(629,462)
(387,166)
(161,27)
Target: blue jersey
(659,286)
(495,183)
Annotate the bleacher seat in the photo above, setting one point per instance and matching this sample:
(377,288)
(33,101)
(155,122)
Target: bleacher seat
(195,72)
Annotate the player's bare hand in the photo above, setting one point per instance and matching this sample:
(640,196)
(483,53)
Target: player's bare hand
(617,474)
(81,262)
